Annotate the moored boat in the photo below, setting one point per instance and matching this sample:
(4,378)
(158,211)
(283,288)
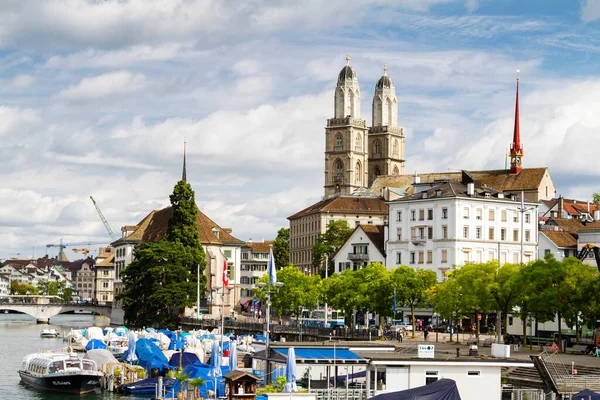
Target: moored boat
(49,333)
(60,372)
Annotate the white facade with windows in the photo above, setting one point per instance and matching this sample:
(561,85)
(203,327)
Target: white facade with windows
(364,246)
(253,266)
(444,226)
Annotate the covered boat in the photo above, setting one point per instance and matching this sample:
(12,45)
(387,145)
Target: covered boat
(443,389)
(60,372)
(49,333)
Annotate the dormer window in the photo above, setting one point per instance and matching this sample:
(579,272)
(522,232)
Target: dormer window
(215,232)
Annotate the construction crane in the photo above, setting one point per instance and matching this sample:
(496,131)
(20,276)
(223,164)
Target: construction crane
(62,246)
(104,221)
(586,249)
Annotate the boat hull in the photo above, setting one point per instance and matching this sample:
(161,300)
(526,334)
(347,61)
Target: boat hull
(63,383)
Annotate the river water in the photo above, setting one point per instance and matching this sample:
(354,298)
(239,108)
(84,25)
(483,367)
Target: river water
(20,335)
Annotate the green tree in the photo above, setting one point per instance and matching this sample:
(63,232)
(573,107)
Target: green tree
(158,283)
(507,288)
(340,292)
(446,300)
(412,287)
(596,198)
(329,243)
(281,248)
(375,288)
(298,291)
(19,288)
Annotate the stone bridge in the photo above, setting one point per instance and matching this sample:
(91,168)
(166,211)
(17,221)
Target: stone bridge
(43,312)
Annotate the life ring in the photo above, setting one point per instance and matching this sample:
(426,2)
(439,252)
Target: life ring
(554,347)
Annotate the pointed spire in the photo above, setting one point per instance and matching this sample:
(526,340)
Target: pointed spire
(516,149)
(183,174)
(517,132)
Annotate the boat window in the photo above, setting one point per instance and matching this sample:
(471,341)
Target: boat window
(87,365)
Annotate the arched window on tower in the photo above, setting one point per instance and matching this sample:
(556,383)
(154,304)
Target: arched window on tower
(358,142)
(358,172)
(338,167)
(377,172)
(396,170)
(377,148)
(339,142)
(395,148)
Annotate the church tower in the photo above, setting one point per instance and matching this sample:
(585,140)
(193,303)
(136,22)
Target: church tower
(516,149)
(346,145)
(386,140)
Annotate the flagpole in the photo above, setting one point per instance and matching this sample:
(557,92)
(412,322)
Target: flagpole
(326,276)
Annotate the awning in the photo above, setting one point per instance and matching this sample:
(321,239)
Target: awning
(314,355)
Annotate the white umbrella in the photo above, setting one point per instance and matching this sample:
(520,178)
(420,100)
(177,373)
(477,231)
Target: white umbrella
(233,361)
(290,372)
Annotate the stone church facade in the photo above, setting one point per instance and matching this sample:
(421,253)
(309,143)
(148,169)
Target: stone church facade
(355,155)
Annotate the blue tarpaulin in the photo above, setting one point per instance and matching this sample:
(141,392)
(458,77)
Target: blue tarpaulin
(201,371)
(95,344)
(150,356)
(444,389)
(186,358)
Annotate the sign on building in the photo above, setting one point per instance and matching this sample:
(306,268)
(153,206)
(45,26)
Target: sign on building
(426,351)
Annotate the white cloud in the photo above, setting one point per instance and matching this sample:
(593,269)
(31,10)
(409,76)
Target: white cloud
(22,81)
(15,120)
(590,10)
(112,83)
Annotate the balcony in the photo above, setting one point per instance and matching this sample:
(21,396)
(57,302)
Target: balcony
(419,240)
(358,257)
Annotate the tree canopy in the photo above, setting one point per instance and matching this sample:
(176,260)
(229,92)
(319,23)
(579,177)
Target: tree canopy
(281,248)
(158,283)
(329,243)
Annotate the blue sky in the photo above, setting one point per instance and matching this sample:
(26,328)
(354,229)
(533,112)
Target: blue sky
(97,96)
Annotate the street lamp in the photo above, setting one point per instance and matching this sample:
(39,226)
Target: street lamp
(522,209)
(268,320)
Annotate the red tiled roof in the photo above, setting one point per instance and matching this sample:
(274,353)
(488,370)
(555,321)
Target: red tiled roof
(594,226)
(560,239)
(346,204)
(566,224)
(260,247)
(375,234)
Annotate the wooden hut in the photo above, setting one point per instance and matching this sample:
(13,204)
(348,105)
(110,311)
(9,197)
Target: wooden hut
(240,385)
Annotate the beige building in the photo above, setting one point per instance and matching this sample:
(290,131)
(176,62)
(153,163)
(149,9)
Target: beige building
(105,275)
(308,224)
(255,257)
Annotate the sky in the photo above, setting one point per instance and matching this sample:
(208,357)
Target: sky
(96,98)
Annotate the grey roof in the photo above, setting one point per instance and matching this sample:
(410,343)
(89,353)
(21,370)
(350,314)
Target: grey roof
(384,82)
(455,189)
(346,73)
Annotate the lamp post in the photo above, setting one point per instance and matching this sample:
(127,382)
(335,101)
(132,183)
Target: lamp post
(268,320)
(221,291)
(522,209)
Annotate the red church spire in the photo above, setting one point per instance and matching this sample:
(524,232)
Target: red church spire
(516,150)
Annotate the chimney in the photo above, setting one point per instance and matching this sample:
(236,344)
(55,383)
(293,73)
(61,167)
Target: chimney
(596,215)
(470,189)
(561,205)
(588,206)
(417,179)
(250,240)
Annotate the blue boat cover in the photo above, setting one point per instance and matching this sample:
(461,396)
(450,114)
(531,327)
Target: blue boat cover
(95,344)
(443,389)
(586,394)
(150,355)
(321,354)
(201,371)
(145,386)
(186,358)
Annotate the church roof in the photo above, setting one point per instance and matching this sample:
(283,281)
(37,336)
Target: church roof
(154,228)
(345,204)
(498,179)
(346,73)
(384,82)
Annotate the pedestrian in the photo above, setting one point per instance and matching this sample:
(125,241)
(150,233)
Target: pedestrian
(400,335)
(425,334)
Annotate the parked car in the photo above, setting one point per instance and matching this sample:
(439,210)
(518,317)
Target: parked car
(402,325)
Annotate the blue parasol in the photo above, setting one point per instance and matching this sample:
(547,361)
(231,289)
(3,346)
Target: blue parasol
(233,356)
(290,372)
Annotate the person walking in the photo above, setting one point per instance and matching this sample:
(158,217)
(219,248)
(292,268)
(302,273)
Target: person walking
(425,333)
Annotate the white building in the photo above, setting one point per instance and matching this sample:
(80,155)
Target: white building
(455,223)
(590,234)
(4,285)
(255,257)
(364,246)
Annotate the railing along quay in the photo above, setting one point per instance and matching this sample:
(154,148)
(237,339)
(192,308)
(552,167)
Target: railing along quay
(289,332)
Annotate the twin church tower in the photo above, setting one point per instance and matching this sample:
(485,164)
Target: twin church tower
(356,154)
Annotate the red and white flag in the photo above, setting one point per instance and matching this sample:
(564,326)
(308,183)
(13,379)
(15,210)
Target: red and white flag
(225,275)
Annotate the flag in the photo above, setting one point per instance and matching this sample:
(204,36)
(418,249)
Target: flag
(272,273)
(225,277)
(210,298)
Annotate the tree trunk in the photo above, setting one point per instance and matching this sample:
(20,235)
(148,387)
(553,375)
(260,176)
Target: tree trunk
(524,321)
(412,313)
(577,328)
(560,333)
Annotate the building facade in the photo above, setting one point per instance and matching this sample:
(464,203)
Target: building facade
(255,257)
(308,224)
(454,223)
(105,276)
(364,246)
